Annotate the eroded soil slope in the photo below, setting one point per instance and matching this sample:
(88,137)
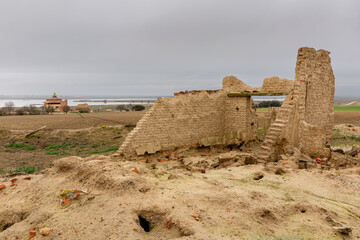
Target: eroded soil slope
(195,197)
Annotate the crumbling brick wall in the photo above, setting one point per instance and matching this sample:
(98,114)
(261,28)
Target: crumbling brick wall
(189,119)
(277,85)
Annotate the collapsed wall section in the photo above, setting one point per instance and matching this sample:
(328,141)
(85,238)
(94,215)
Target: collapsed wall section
(180,121)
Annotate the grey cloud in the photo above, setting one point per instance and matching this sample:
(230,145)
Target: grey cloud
(158,47)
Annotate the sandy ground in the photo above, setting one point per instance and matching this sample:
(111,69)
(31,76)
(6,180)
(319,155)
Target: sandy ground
(178,201)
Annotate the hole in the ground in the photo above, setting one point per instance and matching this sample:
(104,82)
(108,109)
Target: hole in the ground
(9,218)
(6,226)
(303,211)
(144,224)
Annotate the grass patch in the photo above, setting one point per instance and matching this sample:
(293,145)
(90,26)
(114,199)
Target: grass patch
(57,147)
(57,152)
(29,147)
(342,137)
(347,108)
(354,138)
(114,148)
(23,168)
(14,145)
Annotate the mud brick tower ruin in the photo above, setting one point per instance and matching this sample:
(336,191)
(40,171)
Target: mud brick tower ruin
(227,116)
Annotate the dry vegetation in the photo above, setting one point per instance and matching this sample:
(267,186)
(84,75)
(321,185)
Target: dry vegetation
(347,117)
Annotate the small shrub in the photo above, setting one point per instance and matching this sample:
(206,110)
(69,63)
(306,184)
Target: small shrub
(66,108)
(122,108)
(49,109)
(32,110)
(20,111)
(10,145)
(138,108)
(19,145)
(9,107)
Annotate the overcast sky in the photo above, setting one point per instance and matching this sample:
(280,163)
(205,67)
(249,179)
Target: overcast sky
(157,47)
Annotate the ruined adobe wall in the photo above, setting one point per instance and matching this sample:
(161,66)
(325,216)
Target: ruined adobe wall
(316,105)
(190,119)
(178,122)
(270,85)
(233,84)
(205,118)
(305,119)
(277,85)
(311,122)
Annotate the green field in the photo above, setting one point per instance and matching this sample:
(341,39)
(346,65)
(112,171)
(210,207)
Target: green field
(347,108)
(336,108)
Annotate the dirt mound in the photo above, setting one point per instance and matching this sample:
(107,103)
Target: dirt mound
(104,198)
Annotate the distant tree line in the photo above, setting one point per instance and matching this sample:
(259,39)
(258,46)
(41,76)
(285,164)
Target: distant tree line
(31,109)
(266,104)
(10,109)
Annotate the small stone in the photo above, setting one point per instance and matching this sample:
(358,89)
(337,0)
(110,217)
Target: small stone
(45,231)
